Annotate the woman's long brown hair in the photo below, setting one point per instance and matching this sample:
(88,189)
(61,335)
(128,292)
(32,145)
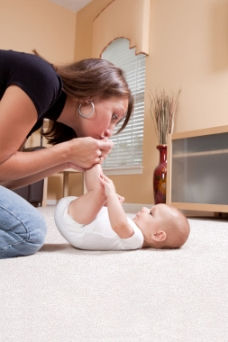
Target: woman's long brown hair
(88,78)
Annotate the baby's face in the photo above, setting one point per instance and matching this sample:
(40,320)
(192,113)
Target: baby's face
(158,214)
(159,218)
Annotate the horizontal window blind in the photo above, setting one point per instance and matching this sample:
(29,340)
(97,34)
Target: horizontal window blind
(127,153)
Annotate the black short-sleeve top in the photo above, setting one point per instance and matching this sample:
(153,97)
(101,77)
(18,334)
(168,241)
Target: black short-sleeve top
(37,78)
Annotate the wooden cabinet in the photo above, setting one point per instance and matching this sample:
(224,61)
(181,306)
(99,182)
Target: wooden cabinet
(198,170)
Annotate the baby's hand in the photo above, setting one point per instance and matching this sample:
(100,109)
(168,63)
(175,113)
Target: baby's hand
(108,185)
(121,199)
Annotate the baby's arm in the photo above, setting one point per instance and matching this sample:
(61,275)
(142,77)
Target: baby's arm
(117,216)
(85,208)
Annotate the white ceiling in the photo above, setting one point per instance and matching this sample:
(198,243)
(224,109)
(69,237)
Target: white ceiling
(73,5)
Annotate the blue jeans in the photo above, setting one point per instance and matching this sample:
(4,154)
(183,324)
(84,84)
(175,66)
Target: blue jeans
(22,228)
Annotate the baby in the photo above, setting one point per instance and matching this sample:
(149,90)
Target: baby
(97,221)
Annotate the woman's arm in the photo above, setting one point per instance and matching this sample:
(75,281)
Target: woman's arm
(117,216)
(18,183)
(17,117)
(79,153)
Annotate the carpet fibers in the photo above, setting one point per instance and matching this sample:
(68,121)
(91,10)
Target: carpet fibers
(62,294)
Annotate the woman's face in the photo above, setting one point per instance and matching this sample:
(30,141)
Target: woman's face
(107,114)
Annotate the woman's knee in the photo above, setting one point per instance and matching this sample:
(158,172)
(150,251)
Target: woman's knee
(35,239)
(25,239)
(22,228)
(36,230)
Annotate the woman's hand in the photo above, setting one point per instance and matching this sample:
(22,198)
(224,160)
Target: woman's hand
(85,152)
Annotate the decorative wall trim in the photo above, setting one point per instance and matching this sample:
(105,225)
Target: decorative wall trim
(131,46)
(103,9)
(111,24)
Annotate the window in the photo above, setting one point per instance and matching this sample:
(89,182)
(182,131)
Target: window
(127,153)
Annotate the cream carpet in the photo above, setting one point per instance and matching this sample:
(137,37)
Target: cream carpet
(66,295)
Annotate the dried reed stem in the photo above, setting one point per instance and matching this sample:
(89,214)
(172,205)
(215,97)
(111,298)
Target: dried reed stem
(163,110)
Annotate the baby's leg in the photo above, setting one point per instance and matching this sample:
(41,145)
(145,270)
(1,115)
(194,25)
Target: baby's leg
(92,180)
(92,177)
(85,208)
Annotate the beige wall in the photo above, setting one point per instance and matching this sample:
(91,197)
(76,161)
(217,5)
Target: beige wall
(29,24)
(84,33)
(45,26)
(188,51)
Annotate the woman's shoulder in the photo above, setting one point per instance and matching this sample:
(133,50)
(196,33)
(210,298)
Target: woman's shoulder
(33,74)
(18,62)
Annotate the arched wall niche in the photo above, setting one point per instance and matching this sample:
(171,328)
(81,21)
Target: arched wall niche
(111,23)
(130,46)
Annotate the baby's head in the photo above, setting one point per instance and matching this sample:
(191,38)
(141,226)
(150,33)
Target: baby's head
(162,226)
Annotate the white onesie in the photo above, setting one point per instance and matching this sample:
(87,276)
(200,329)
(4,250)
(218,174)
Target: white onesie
(97,235)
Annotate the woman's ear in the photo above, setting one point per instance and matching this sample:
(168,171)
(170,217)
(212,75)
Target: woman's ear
(86,109)
(159,236)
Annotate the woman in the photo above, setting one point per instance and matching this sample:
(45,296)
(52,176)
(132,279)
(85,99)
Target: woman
(84,100)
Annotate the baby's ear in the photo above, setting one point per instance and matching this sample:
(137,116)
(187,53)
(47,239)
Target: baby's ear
(160,235)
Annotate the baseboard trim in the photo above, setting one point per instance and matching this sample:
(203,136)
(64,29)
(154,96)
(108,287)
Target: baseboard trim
(134,207)
(52,202)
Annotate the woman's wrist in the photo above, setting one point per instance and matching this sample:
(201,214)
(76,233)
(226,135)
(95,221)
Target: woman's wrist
(63,153)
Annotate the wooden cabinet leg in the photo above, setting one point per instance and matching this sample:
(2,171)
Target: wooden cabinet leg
(65,183)
(44,199)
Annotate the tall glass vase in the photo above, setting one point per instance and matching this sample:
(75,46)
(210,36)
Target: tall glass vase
(159,178)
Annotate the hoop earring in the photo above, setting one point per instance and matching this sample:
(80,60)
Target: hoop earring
(88,115)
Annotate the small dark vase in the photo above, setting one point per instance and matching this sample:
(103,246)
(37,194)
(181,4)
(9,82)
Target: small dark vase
(160,176)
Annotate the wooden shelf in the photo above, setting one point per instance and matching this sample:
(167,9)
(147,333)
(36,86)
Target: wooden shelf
(197,180)
(200,154)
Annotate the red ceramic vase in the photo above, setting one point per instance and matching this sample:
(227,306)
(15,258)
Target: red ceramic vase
(160,176)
